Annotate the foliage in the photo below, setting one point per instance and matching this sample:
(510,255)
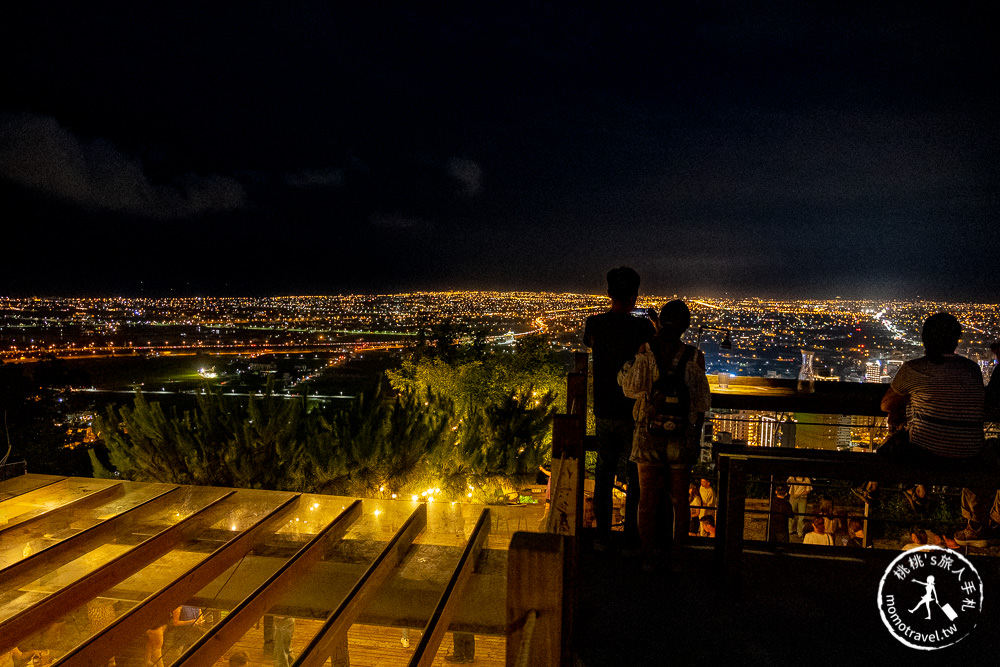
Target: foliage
(893,516)
(378,447)
(381,445)
(471,374)
(458,418)
(257,444)
(32,417)
(504,443)
(503,403)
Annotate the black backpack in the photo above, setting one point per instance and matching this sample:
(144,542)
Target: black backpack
(669,397)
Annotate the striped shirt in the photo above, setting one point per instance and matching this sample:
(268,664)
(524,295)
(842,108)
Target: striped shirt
(945,410)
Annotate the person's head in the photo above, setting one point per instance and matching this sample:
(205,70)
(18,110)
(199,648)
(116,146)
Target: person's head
(708,523)
(940,334)
(819,525)
(853,526)
(675,318)
(781,490)
(239,659)
(623,285)
(918,535)
(706,483)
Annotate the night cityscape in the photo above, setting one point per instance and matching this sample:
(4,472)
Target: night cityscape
(318,346)
(307,354)
(852,341)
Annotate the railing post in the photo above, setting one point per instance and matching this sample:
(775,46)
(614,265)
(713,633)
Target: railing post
(576,388)
(539,581)
(722,512)
(736,498)
(731,514)
(566,503)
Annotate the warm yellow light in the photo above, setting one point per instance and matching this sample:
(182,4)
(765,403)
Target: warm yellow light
(378,512)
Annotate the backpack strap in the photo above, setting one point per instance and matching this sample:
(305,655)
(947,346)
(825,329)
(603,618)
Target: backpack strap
(677,363)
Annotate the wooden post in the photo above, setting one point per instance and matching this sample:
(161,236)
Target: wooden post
(576,394)
(538,580)
(567,482)
(736,493)
(722,511)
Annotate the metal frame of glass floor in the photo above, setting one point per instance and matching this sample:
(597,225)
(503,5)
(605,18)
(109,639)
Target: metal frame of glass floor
(89,566)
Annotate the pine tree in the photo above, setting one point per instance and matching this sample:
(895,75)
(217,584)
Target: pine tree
(223,442)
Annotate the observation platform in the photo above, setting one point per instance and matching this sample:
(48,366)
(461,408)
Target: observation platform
(784,608)
(88,565)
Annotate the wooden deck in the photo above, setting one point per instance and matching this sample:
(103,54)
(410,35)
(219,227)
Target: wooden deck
(369,646)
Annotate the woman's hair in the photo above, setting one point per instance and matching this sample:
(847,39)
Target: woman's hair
(675,317)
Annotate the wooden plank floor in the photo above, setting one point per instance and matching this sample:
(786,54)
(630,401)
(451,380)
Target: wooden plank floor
(369,646)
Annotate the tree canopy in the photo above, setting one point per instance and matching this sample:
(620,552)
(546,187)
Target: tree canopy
(452,421)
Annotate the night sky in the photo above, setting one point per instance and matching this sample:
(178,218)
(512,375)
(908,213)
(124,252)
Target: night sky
(809,149)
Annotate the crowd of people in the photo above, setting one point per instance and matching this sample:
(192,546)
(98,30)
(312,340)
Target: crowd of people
(936,406)
(650,396)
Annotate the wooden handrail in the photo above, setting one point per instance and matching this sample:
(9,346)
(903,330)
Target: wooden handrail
(734,465)
(540,586)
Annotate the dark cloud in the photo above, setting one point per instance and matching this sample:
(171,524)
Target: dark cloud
(312,178)
(38,153)
(468,174)
(392,221)
(784,147)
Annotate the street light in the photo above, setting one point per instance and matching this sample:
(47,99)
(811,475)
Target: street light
(727,341)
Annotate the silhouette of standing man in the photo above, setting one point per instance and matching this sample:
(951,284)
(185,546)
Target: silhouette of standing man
(614,337)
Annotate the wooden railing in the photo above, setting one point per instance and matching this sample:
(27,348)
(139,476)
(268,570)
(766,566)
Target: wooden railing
(735,465)
(541,567)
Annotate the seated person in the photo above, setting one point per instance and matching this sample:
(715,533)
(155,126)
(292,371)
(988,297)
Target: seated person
(855,536)
(818,534)
(781,515)
(918,539)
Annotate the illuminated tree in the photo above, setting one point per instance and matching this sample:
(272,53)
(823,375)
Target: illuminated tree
(379,447)
(259,444)
(456,419)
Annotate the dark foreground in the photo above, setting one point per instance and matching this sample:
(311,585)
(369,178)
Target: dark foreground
(788,609)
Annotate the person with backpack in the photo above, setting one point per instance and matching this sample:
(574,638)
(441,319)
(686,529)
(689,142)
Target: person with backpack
(667,379)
